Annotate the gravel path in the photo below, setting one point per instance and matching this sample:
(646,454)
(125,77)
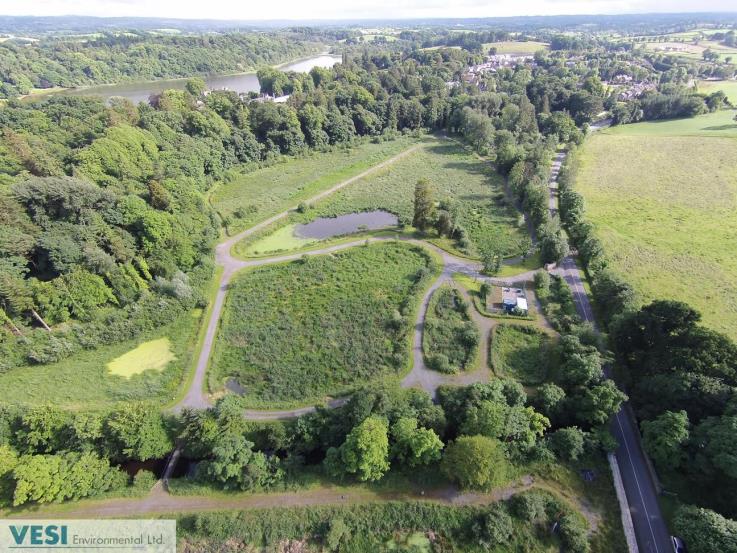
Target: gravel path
(195,397)
(160,502)
(419,376)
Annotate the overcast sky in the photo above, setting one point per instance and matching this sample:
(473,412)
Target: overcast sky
(350,9)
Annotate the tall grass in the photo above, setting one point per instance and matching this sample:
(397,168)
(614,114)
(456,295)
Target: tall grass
(296,332)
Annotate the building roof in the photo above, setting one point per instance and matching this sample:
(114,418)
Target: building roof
(522,304)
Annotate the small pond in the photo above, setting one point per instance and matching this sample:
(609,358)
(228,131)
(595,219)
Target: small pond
(327,227)
(234,386)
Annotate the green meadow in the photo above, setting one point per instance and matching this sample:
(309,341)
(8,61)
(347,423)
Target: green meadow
(297,332)
(665,207)
(476,191)
(516,47)
(718,124)
(149,368)
(246,198)
(521,352)
(728,87)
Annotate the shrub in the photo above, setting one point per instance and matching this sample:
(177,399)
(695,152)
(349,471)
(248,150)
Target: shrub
(573,534)
(528,506)
(495,527)
(144,480)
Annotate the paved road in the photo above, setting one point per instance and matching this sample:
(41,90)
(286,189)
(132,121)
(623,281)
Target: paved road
(650,528)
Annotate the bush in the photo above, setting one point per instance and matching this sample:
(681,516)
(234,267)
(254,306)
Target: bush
(144,480)
(439,362)
(450,339)
(573,534)
(494,528)
(528,506)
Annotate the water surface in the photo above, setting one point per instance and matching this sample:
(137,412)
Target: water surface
(327,227)
(241,82)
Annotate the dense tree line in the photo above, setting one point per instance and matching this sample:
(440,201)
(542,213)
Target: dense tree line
(104,223)
(48,455)
(113,58)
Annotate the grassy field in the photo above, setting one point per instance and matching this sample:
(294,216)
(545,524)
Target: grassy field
(691,51)
(521,352)
(665,208)
(153,355)
(248,198)
(728,87)
(453,173)
(85,381)
(450,338)
(515,47)
(717,124)
(297,332)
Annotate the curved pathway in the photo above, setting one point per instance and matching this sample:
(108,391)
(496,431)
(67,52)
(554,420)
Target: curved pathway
(195,397)
(420,376)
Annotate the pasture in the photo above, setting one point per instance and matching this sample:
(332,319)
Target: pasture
(516,47)
(689,50)
(718,124)
(728,87)
(86,380)
(521,352)
(247,198)
(295,333)
(476,191)
(665,208)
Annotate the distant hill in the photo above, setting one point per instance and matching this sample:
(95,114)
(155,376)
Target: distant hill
(662,22)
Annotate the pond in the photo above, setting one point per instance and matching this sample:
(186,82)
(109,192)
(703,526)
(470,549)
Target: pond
(234,386)
(241,82)
(327,227)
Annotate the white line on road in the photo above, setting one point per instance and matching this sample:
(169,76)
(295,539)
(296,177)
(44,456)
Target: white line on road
(637,481)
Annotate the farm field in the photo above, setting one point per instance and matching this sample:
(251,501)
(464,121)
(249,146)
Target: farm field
(665,207)
(85,381)
(453,174)
(521,352)
(728,87)
(690,50)
(516,47)
(248,198)
(717,124)
(297,332)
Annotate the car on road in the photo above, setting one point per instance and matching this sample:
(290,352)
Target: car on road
(678,545)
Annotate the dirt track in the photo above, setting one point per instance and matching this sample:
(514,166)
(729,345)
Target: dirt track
(419,376)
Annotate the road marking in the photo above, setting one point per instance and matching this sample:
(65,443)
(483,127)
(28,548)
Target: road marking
(570,268)
(637,481)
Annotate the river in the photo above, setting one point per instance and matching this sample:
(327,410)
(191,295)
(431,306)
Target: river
(240,82)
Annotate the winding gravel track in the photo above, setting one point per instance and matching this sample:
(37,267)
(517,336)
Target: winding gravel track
(195,397)
(420,376)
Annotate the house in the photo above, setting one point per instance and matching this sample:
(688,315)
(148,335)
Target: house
(514,300)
